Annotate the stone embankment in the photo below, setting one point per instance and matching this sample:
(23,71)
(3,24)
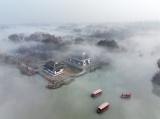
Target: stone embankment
(78,74)
(60,84)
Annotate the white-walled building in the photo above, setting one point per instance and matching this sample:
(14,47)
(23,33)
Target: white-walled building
(79,60)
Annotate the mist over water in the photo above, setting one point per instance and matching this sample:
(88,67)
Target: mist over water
(8,46)
(23,97)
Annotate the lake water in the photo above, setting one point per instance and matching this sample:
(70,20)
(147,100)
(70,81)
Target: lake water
(23,97)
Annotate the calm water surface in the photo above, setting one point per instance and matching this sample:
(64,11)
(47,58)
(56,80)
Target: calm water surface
(23,97)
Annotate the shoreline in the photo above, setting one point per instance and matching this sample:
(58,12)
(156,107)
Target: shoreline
(156,78)
(31,68)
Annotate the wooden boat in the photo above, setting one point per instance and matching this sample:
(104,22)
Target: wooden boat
(103,107)
(96,93)
(127,95)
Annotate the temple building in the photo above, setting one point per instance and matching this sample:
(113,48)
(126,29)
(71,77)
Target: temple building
(54,68)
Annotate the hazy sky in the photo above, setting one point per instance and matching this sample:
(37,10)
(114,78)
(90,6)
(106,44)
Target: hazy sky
(50,11)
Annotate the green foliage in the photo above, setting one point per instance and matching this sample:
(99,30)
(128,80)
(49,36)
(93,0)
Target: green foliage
(108,44)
